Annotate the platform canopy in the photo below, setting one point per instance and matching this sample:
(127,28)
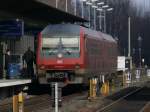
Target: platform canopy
(37,11)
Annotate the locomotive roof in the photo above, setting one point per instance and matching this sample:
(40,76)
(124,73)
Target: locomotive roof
(108,37)
(99,35)
(74,29)
(71,29)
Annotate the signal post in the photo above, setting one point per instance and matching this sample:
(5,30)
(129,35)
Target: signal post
(56,84)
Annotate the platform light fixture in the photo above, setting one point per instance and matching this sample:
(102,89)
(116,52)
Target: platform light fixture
(110,9)
(100,3)
(94,6)
(88,3)
(94,0)
(17,20)
(105,6)
(99,9)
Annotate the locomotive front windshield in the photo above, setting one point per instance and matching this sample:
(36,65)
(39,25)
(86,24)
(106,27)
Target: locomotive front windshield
(68,45)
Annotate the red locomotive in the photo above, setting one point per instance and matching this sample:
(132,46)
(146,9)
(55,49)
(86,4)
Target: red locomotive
(75,53)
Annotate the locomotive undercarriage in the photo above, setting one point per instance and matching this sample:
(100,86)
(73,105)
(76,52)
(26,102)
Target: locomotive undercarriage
(66,76)
(70,76)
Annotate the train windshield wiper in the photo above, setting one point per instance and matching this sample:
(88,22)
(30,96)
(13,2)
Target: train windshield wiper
(68,51)
(51,52)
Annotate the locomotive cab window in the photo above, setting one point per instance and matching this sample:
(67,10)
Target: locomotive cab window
(69,45)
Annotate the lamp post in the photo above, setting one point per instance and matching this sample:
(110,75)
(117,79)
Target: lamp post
(100,18)
(75,11)
(94,7)
(56,4)
(104,21)
(129,37)
(83,7)
(89,4)
(66,5)
(129,42)
(100,13)
(140,50)
(106,8)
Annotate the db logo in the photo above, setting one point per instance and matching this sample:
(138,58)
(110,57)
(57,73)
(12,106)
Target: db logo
(59,61)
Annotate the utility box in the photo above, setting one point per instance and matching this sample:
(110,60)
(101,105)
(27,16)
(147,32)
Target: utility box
(13,70)
(15,66)
(148,72)
(121,63)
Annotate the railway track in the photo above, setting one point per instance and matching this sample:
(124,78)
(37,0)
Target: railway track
(7,106)
(132,102)
(42,103)
(131,99)
(127,93)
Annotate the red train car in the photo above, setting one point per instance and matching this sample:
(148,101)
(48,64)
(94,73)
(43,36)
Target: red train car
(75,53)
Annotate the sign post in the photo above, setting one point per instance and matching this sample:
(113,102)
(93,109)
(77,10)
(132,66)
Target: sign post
(56,97)
(128,78)
(137,73)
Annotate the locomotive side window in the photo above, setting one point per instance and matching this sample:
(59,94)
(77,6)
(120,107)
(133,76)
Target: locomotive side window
(69,46)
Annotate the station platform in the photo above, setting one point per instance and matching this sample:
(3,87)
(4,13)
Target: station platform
(79,102)
(13,88)
(10,87)
(13,82)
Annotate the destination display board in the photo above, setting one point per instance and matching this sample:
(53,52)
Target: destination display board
(11,28)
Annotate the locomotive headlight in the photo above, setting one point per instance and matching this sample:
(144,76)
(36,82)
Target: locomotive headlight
(60,55)
(77,66)
(42,67)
